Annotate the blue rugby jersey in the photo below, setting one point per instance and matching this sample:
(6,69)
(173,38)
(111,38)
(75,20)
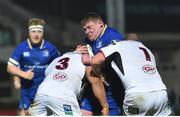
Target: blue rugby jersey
(37,58)
(108,35)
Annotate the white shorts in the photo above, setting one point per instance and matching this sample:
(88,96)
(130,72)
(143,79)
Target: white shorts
(147,103)
(56,106)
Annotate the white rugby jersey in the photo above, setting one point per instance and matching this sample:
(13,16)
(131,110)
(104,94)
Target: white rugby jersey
(135,65)
(63,77)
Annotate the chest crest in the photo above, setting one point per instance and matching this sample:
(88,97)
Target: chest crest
(99,44)
(45,53)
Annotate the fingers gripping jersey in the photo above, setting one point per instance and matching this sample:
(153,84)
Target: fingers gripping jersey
(63,77)
(136,66)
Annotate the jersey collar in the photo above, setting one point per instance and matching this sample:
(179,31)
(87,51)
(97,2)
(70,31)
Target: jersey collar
(30,46)
(105,27)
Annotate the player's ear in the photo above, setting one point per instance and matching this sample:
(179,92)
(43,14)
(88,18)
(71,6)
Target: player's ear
(100,23)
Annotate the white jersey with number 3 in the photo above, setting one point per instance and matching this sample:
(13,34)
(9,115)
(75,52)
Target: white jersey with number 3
(135,65)
(63,77)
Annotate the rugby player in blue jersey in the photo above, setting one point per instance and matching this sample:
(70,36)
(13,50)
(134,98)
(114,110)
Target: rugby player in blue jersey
(29,61)
(98,35)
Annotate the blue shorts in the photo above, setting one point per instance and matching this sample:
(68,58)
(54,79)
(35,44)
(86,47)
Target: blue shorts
(27,96)
(90,103)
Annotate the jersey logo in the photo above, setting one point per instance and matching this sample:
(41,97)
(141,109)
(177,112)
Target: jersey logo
(45,53)
(60,76)
(67,109)
(113,42)
(99,44)
(26,54)
(149,69)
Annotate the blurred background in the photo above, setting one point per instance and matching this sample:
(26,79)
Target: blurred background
(157,21)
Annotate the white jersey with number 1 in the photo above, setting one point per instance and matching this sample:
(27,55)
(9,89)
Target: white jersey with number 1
(135,65)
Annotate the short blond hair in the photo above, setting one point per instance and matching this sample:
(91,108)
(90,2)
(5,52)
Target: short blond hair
(91,16)
(36,21)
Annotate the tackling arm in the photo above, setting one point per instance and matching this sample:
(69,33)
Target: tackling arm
(98,90)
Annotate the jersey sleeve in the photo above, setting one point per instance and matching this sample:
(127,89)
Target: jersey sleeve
(54,52)
(16,56)
(113,35)
(108,50)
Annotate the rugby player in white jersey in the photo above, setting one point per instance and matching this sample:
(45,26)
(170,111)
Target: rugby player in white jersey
(58,92)
(145,93)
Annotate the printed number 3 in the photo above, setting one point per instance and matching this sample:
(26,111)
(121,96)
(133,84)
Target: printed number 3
(63,63)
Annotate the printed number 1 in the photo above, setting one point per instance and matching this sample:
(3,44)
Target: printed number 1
(147,56)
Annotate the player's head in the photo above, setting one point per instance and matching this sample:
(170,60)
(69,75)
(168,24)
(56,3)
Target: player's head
(93,25)
(36,30)
(132,36)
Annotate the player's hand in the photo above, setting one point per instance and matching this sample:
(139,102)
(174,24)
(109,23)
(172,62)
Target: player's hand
(86,59)
(105,110)
(82,49)
(29,74)
(104,81)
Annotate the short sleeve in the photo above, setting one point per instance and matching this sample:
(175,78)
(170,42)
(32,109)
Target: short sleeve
(16,56)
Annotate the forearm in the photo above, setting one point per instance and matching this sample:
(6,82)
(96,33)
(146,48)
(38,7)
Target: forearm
(99,92)
(15,71)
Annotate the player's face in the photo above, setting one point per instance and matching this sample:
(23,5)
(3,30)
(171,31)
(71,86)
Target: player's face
(93,29)
(36,36)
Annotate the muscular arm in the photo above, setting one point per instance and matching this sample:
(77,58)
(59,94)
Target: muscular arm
(16,71)
(98,90)
(98,58)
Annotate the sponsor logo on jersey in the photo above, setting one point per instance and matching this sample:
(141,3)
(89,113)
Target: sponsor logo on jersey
(149,69)
(26,54)
(67,109)
(46,53)
(36,66)
(60,76)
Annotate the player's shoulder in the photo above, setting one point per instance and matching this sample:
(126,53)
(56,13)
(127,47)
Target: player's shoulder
(130,43)
(113,33)
(112,30)
(119,42)
(73,53)
(48,44)
(23,44)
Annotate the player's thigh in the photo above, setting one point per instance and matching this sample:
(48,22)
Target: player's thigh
(161,104)
(38,107)
(25,102)
(86,105)
(90,106)
(63,107)
(137,103)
